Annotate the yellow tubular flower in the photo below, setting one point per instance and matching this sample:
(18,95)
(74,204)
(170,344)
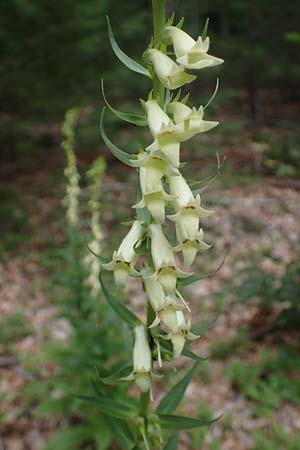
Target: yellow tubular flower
(180,335)
(124,258)
(190,53)
(166,270)
(170,74)
(142,361)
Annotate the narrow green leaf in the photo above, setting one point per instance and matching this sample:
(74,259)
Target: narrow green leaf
(185,99)
(124,157)
(126,60)
(170,19)
(171,400)
(167,346)
(180,23)
(189,354)
(209,180)
(206,326)
(136,119)
(122,432)
(169,422)
(110,407)
(213,95)
(101,259)
(98,388)
(194,278)
(172,443)
(120,309)
(204,32)
(177,96)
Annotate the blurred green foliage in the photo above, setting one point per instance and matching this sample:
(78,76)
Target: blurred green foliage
(270,291)
(83,321)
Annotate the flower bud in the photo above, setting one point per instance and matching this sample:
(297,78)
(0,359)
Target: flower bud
(190,53)
(171,75)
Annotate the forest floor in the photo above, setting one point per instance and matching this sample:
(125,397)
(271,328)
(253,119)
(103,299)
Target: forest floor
(256,224)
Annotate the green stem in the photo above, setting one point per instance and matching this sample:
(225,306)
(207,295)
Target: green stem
(144,404)
(159,20)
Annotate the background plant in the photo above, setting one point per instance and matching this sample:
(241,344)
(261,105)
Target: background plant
(86,318)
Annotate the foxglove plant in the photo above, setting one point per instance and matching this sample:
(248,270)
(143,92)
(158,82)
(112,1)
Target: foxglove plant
(168,329)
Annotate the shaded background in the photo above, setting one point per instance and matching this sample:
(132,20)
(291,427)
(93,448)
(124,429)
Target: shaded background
(53,55)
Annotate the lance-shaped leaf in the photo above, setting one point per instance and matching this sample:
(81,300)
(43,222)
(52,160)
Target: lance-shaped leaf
(189,354)
(120,309)
(126,60)
(213,95)
(136,119)
(171,400)
(124,157)
(204,32)
(207,181)
(101,259)
(194,278)
(110,407)
(206,326)
(98,388)
(122,432)
(115,377)
(169,422)
(173,441)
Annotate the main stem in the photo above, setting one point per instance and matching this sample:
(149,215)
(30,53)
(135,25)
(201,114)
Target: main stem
(159,20)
